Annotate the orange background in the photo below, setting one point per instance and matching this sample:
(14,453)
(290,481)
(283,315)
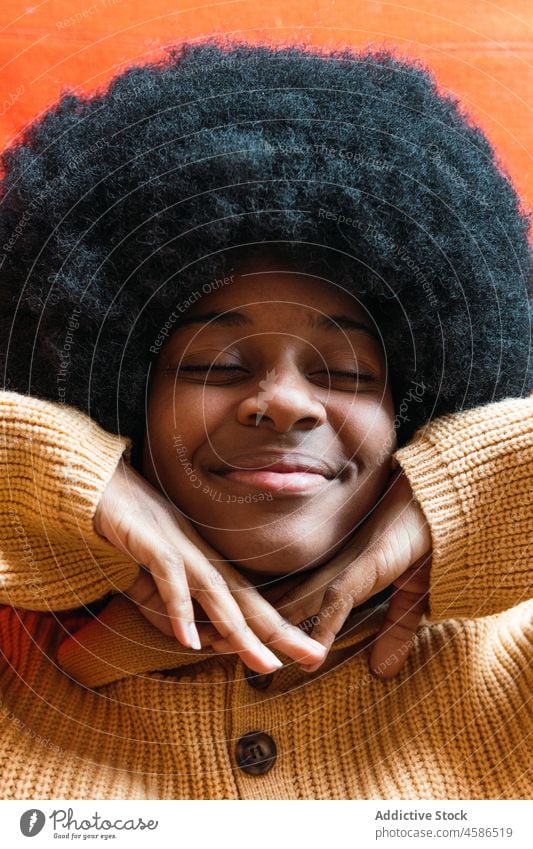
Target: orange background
(480,50)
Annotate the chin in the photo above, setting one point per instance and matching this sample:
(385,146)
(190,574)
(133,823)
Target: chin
(282,571)
(268,557)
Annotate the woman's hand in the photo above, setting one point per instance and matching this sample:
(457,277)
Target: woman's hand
(176,565)
(392,547)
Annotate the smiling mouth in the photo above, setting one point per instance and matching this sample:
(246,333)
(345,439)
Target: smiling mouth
(286,480)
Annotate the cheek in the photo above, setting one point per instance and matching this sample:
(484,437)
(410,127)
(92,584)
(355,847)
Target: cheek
(201,411)
(179,421)
(366,427)
(380,431)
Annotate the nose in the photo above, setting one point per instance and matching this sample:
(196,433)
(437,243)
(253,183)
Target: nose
(282,399)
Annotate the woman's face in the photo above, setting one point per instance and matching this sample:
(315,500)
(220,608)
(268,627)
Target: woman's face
(270,421)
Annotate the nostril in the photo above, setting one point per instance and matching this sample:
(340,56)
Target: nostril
(258,418)
(309,421)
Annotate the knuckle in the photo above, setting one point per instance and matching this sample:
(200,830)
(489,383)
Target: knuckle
(280,630)
(237,632)
(409,596)
(397,630)
(333,593)
(364,573)
(213,578)
(169,560)
(337,596)
(380,565)
(307,624)
(140,594)
(290,610)
(324,632)
(180,602)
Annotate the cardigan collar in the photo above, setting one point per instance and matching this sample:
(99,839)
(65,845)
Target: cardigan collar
(120,643)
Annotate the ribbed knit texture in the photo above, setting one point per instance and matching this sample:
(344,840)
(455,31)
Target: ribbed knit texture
(55,463)
(109,707)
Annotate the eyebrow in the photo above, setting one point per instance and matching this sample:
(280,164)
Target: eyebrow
(238,319)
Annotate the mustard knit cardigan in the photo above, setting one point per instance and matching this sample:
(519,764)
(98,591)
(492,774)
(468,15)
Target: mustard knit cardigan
(109,707)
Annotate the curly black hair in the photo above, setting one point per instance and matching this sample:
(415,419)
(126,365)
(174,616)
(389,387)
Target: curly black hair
(349,165)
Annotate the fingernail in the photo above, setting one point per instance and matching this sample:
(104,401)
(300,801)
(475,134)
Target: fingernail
(318,645)
(306,640)
(309,642)
(270,657)
(194,637)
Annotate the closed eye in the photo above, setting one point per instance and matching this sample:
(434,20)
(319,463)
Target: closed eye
(354,375)
(331,375)
(214,372)
(210,367)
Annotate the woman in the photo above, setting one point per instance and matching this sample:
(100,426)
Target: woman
(143,242)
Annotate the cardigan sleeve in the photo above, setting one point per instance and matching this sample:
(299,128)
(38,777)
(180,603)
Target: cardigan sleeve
(55,463)
(472,474)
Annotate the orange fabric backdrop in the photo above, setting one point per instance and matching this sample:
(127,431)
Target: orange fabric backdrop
(480,50)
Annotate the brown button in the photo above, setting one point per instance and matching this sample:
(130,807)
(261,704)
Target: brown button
(257,680)
(256,752)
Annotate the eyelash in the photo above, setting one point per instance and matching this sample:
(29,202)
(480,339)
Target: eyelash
(218,367)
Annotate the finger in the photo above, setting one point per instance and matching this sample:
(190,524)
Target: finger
(210,589)
(390,539)
(260,620)
(354,571)
(148,542)
(180,570)
(396,636)
(168,571)
(336,607)
(301,602)
(356,584)
(416,577)
(265,621)
(145,595)
(273,630)
(141,587)
(169,568)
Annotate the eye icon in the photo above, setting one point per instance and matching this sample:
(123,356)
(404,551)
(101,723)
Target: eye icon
(31,822)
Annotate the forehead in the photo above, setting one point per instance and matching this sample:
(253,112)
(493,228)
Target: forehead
(262,292)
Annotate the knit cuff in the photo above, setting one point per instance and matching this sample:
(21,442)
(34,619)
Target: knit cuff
(56,463)
(472,473)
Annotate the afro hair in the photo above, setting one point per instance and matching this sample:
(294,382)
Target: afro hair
(349,165)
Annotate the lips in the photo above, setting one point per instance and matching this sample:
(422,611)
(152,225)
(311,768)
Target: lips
(291,474)
(275,462)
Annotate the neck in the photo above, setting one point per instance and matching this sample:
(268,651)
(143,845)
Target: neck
(273,586)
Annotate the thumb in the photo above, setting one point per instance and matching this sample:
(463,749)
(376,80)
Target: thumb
(396,636)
